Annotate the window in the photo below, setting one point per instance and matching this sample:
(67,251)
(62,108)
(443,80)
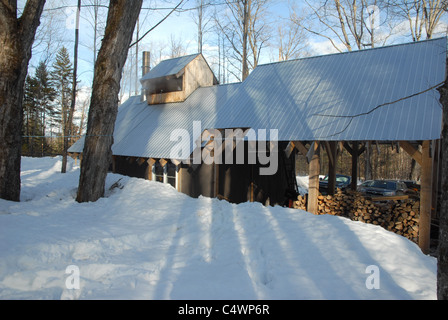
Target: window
(157,172)
(170,174)
(165,174)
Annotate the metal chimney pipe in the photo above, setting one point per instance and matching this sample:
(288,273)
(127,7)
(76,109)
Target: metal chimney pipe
(146,62)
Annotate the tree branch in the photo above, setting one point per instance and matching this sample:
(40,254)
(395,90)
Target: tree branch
(147,32)
(352,117)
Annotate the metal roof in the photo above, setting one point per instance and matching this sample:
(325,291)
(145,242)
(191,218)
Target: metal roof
(169,67)
(145,131)
(323,98)
(376,94)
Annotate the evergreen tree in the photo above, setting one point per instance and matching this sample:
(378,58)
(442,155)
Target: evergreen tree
(37,110)
(45,98)
(30,116)
(61,76)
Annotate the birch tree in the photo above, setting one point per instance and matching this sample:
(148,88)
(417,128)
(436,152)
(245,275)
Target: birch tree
(97,153)
(17,34)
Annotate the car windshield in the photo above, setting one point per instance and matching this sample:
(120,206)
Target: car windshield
(383,185)
(341,179)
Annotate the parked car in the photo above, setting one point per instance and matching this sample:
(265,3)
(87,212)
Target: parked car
(383,188)
(342,182)
(413,187)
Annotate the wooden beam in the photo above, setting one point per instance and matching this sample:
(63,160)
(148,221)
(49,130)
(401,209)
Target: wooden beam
(361,150)
(425,198)
(179,171)
(314,171)
(330,147)
(216,179)
(301,147)
(140,161)
(414,153)
(332,150)
(387,198)
(151,162)
(348,148)
(355,158)
(163,162)
(75,157)
(289,149)
(312,150)
(149,175)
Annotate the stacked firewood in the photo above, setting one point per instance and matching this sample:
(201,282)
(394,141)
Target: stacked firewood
(399,216)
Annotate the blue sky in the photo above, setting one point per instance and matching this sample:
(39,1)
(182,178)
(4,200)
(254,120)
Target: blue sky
(179,25)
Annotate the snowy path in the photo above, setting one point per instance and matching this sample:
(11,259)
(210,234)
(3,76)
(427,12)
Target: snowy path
(146,241)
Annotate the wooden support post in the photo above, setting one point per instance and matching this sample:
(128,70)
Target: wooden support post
(314,172)
(425,198)
(414,153)
(179,172)
(332,149)
(301,147)
(215,180)
(425,159)
(355,157)
(150,173)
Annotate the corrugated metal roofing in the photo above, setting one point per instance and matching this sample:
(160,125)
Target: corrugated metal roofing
(331,97)
(168,67)
(144,131)
(149,135)
(314,98)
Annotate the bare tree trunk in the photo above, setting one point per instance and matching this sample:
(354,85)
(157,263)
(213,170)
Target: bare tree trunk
(442,261)
(68,127)
(246,13)
(16,39)
(200,17)
(97,153)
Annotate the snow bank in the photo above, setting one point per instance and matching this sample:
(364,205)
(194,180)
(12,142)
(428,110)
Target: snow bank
(147,241)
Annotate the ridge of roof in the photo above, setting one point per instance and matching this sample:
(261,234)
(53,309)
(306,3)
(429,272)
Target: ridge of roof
(356,51)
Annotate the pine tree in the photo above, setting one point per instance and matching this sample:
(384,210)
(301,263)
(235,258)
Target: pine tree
(45,98)
(61,76)
(37,110)
(30,116)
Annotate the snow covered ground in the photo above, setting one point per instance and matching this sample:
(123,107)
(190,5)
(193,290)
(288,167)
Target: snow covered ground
(144,240)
